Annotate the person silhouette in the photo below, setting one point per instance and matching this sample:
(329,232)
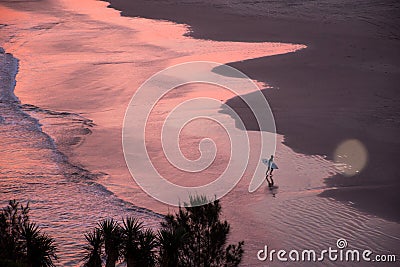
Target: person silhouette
(271,166)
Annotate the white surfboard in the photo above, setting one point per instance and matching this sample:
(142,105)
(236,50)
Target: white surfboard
(266,161)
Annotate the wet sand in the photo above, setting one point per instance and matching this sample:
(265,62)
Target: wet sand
(96,78)
(343,86)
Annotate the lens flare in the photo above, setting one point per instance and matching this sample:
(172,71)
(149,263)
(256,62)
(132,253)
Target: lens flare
(350,157)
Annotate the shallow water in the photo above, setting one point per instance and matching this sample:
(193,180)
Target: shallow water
(63,198)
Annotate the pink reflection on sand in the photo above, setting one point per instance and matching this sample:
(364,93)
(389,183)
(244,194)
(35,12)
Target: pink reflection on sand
(191,135)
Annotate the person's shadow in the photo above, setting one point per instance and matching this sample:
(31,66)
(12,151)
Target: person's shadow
(271,187)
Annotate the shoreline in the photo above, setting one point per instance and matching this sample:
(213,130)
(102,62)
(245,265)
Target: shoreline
(82,148)
(72,172)
(93,77)
(33,169)
(310,88)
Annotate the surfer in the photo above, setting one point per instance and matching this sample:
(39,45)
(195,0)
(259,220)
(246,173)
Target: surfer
(271,166)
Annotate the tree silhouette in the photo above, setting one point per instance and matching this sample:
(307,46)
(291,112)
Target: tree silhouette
(131,230)
(170,242)
(111,232)
(145,254)
(194,236)
(206,235)
(130,242)
(12,219)
(40,248)
(93,249)
(22,242)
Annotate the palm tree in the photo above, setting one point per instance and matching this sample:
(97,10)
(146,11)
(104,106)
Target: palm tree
(131,230)
(130,233)
(111,232)
(146,245)
(170,242)
(40,248)
(22,242)
(93,248)
(12,219)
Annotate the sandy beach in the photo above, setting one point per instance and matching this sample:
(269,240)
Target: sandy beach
(343,86)
(328,77)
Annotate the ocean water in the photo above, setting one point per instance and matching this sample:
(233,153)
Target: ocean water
(64,199)
(60,142)
(324,10)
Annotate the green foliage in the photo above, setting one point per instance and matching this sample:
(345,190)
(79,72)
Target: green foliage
(21,242)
